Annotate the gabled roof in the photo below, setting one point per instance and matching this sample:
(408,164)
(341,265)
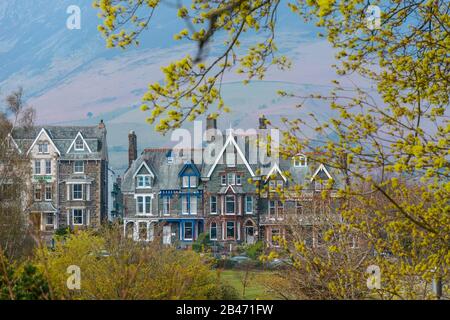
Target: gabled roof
(14,142)
(230,139)
(143,164)
(321,168)
(276,168)
(43,131)
(189,165)
(79,135)
(62,137)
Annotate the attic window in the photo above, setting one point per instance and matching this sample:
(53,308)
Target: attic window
(300,161)
(43,147)
(79,145)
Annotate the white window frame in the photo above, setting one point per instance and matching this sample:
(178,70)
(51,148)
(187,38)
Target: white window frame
(246,202)
(37,164)
(75,166)
(73,217)
(226,230)
(238,179)
(233,178)
(49,214)
(274,207)
(210,204)
(144,178)
(210,228)
(73,191)
(48,161)
(300,161)
(192,231)
(41,149)
(234,205)
(51,193)
(145,204)
(36,187)
(76,146)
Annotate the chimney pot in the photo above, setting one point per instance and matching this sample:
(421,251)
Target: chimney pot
(101,125)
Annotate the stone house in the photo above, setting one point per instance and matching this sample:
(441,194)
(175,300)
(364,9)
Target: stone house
(68,175)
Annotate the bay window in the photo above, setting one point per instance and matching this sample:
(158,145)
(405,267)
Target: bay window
(230,232)
(213,205)
(77,217)
(144,204)
(77,192)
(213,231)
(230,204)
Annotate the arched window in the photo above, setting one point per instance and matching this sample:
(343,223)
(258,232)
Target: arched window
(300,161)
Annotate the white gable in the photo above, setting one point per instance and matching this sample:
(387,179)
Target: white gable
(230,140)
(143,164)
(274,169)
(43,132)
(79,136)
(320,168)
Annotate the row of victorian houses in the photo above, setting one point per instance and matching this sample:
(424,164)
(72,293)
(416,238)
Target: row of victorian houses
(170,194)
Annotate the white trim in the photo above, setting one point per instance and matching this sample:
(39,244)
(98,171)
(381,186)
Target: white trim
(321,167)
(84,142)
(15,143)
(210,227)
(275,167)
(229,186)
(82,216)
(140,167)
(48,137)
(74,167)
(230,139)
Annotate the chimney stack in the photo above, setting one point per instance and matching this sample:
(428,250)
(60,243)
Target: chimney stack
(132,148)
(101,125)
(211,127)
(262,122)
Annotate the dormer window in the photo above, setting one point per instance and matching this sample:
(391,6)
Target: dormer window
(43,148)
(144,181)
(79,145)
(300,161)
(169,160)
(274,184)
(189,182)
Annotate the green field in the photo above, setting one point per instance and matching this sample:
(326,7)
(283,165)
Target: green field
(254,290)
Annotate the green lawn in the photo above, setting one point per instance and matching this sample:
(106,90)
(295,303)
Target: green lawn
(254,289)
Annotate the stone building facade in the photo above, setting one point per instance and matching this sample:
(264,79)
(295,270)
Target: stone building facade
(69,175)
(234,197)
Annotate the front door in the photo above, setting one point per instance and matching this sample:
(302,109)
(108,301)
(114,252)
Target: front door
(167,235)
(249,235)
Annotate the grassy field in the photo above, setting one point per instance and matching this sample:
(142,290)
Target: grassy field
(254,289)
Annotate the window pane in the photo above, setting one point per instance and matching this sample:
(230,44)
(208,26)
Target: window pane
(230,229)
(213,204)
(48,167)
(188,232)
(77,216)
(140,202)
(77,192)
(148,203)
(213,231)
(249,204)
(37,167)
(230,204)
(193,204)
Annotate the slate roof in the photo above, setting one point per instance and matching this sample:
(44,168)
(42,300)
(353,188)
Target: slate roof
(63,136)
(166,175)
(42,207)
